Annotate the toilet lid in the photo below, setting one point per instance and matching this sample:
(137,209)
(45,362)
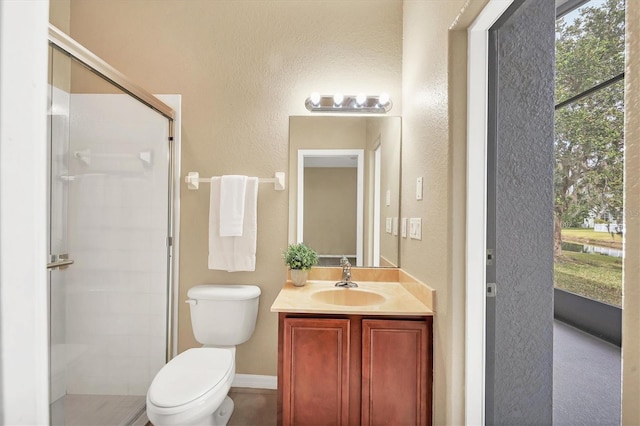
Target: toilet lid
(189,376)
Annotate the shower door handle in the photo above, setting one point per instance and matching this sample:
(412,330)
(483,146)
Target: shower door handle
(59,261)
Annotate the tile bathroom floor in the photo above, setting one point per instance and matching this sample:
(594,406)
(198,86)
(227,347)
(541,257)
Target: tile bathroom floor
(253,407)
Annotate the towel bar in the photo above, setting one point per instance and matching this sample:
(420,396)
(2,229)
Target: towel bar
(193,180)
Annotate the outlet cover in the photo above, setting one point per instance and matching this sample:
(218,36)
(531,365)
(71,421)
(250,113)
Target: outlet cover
(415,228)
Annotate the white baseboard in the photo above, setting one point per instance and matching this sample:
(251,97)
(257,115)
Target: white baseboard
(255,381)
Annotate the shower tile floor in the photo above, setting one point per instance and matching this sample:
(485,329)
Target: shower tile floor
(96,410)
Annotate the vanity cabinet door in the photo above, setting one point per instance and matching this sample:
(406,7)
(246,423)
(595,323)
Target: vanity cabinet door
(315,371)
(396,372)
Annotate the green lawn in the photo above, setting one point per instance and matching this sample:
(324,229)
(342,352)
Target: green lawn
(595,276)
(589,236)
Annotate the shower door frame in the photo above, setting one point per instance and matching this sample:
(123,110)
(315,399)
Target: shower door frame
(98,66)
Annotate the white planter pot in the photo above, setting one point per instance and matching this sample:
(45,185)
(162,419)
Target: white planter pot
(299,276)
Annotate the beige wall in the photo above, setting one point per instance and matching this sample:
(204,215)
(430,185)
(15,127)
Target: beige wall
(319,132)
(59,63)
(631,289)
(60,14)
(330,203)
(427,152)
(242,68)
(386,133)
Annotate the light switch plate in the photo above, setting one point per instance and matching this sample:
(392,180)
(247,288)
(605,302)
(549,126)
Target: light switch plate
(395,226)
(388,225)
(415,228)
(387,198)
(419,188)
(404,227)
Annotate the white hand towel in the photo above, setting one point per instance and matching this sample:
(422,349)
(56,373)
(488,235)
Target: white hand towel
(232,199)
(220,248)
(234,253)
(244,249)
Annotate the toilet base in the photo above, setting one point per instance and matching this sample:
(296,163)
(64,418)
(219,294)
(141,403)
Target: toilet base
(222,415)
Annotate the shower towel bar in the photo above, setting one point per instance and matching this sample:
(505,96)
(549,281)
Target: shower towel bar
(193,180)
(86,154)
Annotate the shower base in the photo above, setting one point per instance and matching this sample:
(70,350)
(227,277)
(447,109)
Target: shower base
(97,410)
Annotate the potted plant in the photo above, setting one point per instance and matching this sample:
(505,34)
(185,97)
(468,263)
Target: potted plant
(300,258)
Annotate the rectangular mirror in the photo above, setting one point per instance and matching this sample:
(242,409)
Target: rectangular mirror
(344,193)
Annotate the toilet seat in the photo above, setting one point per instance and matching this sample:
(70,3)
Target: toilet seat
(191,378)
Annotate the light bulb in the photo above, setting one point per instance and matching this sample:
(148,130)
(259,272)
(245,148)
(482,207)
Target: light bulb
(337,99)
(383,99)
(315,98)
(361,99)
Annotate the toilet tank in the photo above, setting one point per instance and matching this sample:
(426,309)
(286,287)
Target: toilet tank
(223,315)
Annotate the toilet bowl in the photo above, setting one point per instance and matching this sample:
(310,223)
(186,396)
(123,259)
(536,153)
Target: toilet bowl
(192,388)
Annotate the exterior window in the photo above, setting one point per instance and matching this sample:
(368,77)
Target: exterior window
(589,148)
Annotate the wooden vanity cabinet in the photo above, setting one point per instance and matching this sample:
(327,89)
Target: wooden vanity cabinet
(354,370)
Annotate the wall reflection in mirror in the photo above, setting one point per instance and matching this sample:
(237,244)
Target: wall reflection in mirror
(344,195)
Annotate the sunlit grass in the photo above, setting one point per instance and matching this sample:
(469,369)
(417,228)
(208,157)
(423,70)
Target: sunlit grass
(589,236)
(594,276)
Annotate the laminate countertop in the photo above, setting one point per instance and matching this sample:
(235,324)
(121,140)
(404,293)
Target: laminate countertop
(369,298)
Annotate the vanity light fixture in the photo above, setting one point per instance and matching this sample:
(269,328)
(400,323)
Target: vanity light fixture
(383,99)
(360,103)
(315,98)
(337,100)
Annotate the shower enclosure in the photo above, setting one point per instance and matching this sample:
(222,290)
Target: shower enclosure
(110,240)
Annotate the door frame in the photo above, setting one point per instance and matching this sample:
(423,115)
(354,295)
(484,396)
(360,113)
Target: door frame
(377,162)
(24,361)
(359,153)
(476,216)
(475,281)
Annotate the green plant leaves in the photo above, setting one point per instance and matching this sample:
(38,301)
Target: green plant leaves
(299,256)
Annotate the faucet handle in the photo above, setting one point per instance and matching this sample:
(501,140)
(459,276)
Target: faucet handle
(346,274)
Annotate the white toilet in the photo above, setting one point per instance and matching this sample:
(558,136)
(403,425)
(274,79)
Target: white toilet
(192,388)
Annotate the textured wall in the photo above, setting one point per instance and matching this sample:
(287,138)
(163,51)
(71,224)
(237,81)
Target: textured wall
(330,203)
(426,152)
(523,380)
(196,48)
(328,132)
(631,292)
(243,67)
(386,132)
(458,66)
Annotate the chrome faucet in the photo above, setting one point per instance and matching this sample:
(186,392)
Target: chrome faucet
(346,274)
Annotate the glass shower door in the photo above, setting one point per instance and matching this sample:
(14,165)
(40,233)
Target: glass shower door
(57,202)
(109,204)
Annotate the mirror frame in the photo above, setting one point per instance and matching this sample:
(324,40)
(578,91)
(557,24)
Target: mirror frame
(298,140)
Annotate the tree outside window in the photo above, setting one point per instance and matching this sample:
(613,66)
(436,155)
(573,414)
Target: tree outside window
(589,147)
